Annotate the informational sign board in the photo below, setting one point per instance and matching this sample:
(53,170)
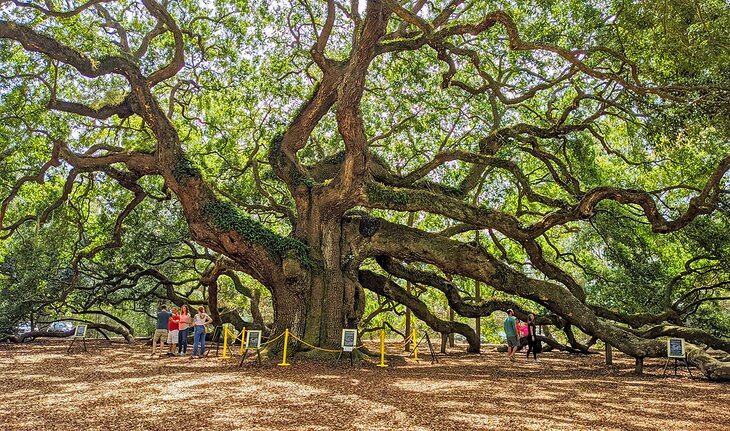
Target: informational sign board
(253,339)
(349,339)
(675,348)
(80,331)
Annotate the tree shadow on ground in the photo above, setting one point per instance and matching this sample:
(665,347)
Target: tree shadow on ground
(123,386)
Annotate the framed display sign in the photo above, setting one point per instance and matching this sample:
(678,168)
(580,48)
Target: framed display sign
(675,348)
(349,339)
(253,339)
(80,331)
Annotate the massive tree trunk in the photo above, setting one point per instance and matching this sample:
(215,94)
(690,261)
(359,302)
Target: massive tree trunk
(318,300)
(325,299)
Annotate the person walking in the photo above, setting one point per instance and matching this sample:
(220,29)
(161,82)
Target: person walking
(510,331)
(199,321)
(163,318)
(533,345)
(182,335)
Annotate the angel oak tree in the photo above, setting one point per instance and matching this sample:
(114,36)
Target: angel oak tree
(296,135)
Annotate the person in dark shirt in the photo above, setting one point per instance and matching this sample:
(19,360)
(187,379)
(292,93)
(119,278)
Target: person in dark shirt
(163,318)
(533,345)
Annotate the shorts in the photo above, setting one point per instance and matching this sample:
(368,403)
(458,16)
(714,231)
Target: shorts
(172,336)
(512,341)
(160,334)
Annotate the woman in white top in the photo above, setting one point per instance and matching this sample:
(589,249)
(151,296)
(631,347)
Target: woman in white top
(199,321)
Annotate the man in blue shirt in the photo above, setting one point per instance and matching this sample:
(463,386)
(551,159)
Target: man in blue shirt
(163,318)
(510,330)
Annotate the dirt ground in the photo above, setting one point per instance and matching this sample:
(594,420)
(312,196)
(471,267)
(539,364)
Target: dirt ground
(119,387)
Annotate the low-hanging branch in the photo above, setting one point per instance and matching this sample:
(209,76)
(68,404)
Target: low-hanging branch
(454,257)
(385,287)
(465,308)
(693,335)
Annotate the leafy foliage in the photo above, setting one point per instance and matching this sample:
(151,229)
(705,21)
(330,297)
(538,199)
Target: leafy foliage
(466,128)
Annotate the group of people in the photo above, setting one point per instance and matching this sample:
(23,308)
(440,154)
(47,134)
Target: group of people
(515,332)
(173,327)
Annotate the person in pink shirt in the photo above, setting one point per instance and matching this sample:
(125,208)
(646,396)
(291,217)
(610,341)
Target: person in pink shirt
(182,338)
(172,332)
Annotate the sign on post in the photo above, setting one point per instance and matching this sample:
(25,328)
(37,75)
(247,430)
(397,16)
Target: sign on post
(80,331)
(675,348)
(349,339)
(253,340)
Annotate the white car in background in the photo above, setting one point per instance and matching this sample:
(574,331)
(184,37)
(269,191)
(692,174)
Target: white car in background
(60,326)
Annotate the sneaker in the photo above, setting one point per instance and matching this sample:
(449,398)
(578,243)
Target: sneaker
(512,358)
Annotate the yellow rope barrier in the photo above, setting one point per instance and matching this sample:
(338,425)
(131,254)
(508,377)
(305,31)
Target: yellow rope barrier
(286,334)
(314,347)
(237,337)
(226,333)
(274,339)
(406,340)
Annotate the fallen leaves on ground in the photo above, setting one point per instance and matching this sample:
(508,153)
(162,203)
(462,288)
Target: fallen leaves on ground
(120,387)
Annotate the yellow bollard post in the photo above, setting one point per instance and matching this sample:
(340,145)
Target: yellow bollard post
(415,344)
(225,343)
(382,349)
(243,340)
(286,342)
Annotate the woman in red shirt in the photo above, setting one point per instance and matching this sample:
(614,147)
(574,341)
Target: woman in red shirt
(172,332)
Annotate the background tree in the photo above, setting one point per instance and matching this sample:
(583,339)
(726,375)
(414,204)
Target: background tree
(586,141)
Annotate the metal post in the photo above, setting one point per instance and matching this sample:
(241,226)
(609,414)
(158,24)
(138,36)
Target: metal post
(225,343)
(415,344)
(382,349)
(286,343)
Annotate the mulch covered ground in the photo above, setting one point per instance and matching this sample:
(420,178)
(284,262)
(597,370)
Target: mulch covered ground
(119,387)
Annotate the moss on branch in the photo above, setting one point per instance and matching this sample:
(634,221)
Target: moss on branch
(184,170)
(378,193)
(227,217)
